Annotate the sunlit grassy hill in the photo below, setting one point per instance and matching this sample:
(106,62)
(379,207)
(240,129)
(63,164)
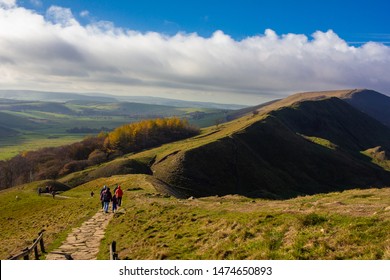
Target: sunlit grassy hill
(302,146)
(302,178)
(352,224)
(273,156)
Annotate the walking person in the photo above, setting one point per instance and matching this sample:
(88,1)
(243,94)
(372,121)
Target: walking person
(114,203)
(119,194)
(106,197)
(101,193)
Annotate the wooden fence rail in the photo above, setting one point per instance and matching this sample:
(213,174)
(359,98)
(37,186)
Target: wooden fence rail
(25,254)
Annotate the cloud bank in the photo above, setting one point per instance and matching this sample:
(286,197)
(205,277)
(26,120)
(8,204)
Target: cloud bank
(55,52)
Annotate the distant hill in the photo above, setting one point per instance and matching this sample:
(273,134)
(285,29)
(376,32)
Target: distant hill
(7,132)
(30,95)
(123,108)
(11,122)
(370,102)
(50,107)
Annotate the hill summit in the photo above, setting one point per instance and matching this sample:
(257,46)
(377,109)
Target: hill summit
(307,143)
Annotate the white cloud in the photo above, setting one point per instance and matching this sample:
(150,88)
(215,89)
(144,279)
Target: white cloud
(62,16)
(55,52)
(84,13)
(36,3)
(7,3)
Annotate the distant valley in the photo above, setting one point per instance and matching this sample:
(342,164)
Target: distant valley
(31,120)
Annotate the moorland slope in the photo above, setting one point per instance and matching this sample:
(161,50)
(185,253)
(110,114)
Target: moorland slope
(305,144)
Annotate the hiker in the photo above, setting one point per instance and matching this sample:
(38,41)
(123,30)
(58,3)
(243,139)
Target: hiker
(114,203)
(119,194)
(101,192)
(53,192)
(92,193)
(106,197)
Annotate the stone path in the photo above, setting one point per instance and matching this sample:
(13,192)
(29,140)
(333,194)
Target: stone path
(83,243)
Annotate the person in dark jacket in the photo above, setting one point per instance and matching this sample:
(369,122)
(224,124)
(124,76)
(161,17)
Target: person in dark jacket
(101,192)
(106,197)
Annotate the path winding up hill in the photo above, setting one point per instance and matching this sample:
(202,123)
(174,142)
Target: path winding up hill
(83,243)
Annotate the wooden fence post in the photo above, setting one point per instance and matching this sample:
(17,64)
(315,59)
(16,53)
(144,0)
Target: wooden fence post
(36,252)
(113,253)
(26,256)
(26,252)
(42,245)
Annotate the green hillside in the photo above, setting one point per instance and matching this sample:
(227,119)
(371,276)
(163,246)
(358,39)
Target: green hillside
(305,148)
(271,157)
(372,103)
(7,132)
(367,101)
(304,178)
(11,121)
(341,225)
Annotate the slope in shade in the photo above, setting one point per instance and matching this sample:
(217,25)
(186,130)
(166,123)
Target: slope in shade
(273,157)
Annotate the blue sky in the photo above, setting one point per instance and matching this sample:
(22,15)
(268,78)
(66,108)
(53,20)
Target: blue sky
(355,21)
(243,51)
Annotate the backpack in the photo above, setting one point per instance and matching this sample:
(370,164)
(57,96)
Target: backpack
(105,196)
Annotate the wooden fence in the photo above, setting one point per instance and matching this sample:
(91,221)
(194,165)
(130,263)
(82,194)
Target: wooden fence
(25,254)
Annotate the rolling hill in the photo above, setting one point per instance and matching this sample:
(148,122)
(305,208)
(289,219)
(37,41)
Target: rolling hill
(305,144)
(310,143)
(7,132)
(367,101)
(31,95)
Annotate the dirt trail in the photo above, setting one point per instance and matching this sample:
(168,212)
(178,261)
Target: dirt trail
(83,243)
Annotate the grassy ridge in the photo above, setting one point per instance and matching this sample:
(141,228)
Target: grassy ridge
(269,155)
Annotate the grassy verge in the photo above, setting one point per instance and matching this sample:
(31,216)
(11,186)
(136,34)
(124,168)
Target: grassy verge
(349,225)
(24,214)
(352,224)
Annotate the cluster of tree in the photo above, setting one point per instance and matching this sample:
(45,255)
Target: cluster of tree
(148,133)
(51,163)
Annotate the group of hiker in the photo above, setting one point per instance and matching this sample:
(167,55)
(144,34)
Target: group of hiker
(106,197)
(48,189)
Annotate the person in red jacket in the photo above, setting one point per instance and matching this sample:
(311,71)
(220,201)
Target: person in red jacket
(119,194)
